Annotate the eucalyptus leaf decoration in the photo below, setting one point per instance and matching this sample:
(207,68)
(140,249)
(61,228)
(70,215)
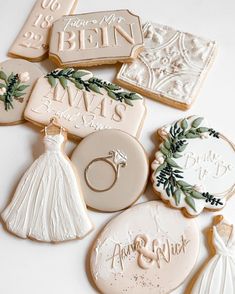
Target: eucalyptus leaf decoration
(93,84)
(11,88)
(170,175)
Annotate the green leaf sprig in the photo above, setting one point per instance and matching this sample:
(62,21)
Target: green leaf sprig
(170,175)
(93,84)
(13,89)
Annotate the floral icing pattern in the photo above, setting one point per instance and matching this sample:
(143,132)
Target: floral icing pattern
(12,87)
(186,169)
(172,65)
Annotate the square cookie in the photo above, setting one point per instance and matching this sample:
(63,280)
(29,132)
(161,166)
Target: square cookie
(172,66)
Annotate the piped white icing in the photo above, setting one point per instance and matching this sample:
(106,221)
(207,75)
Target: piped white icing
(173,63)
(47,205)
(218,275)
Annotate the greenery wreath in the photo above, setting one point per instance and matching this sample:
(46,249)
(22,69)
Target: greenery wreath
(169,174)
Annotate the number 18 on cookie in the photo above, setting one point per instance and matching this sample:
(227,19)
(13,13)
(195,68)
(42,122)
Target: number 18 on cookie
(32,41)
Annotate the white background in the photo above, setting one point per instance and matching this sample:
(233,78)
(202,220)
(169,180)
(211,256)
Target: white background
(28,267)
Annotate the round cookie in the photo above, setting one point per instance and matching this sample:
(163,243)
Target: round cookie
(194,166)
(112,168)
(148,249)
(17,78)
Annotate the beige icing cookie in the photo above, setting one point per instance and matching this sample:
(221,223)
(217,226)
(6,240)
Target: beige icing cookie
(83,104)
(172,66)
(112,168)
(194,167)
(217,276)
(148,249)
(17,78)
(32,41)
(96,38)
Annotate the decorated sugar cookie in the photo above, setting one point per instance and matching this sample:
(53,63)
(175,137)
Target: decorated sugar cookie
(96,38)
(194,167)
(32,42)
(17,78)
(148,249)
(172,66)
(48,205)
(83,104)
(217,276)
(113,169)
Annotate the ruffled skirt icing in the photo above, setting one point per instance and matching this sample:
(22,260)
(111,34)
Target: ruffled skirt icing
(47,205)
(218,277)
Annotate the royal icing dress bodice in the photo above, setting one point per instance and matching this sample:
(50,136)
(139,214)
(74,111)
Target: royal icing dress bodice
(53,142)
(218,275)
(222,248)
(48,205)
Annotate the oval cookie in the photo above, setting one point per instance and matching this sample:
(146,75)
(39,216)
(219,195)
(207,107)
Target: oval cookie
(148,249)
(194,167)
(112,168)
(17,78)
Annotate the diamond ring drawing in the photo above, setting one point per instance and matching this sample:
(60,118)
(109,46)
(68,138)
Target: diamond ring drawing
(116,159)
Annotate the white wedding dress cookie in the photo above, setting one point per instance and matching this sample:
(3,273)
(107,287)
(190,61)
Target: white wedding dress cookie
(218,277)
(47,205)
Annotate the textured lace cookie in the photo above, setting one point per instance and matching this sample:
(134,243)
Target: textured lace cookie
(172,66)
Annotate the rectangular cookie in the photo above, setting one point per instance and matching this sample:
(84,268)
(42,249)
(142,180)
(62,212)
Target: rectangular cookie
(83,104)
(95,38)
(172,66)
(32,41)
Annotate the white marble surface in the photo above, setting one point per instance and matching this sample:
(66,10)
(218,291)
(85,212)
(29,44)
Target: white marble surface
(27,266)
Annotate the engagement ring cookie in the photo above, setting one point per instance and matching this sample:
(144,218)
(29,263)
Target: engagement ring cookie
(33,40)
(96,38)
(113,169)
(172,66)
(194,167)
(217,276)
(17,78)
(148,249)
(83,104)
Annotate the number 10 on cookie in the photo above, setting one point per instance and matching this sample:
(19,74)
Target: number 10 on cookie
(32,41)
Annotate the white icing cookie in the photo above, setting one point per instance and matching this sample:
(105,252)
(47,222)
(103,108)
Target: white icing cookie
(194,167)
(84,104)
(33,39)
(172,66)
(113,169)
(96,38)
(148,249)
(48,205)
(217,276)
(17,78)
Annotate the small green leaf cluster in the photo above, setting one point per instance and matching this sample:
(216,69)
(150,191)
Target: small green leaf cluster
(13,89)
(93,84)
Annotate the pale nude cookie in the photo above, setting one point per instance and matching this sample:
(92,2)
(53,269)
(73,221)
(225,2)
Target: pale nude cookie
(96,38)
(83,104)
(113,169)
(217,276)
(172,66)
(148,249)
(194,167)
(33,40)
(17,79)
